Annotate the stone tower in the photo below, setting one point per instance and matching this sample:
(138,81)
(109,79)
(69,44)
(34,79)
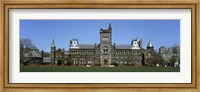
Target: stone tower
(150,54)
(53,52)
(105,46)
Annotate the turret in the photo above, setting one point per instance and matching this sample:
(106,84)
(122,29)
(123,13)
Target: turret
(150,45)
(110,27)
(53,44)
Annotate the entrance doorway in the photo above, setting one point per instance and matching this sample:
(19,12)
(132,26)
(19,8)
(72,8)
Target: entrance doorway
(59,62)
(105,61)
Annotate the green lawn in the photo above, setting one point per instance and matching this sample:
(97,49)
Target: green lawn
(95,69)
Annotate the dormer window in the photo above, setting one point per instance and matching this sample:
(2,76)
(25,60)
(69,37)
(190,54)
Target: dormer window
(74,43)
(135,45)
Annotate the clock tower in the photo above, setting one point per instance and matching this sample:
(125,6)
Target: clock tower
(105,46)
(53,52)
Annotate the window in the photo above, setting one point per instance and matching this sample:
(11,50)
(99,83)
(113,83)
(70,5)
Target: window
(138,52)
(82,61)
(82,52)
(117,58)
(90,62)
(105,38)
(105,50)
(74,60)
(117,62)
(125,62)
(134,52)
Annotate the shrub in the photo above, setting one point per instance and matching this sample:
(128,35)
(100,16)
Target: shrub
(115,64)
(69,62)
(97,64)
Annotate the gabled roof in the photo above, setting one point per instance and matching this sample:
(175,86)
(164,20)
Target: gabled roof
(60,50)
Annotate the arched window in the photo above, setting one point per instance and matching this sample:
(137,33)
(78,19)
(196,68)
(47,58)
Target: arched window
(90,61)
(74,60)
(105,49)
(82,61)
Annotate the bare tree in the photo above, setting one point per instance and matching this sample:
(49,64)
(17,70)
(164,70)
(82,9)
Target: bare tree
(26,45)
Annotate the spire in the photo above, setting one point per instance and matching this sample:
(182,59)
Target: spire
(110,27)
(150,44)
(53,44)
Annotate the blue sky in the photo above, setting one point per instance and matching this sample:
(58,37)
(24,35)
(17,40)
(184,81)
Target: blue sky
(41,32)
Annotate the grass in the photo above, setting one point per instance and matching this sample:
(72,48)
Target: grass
(96,69)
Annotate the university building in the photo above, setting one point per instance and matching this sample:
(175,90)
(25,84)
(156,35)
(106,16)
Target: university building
(105,53)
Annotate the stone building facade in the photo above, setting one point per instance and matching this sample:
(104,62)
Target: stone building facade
(105,53)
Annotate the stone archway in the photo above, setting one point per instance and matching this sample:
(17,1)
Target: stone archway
(105,61)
